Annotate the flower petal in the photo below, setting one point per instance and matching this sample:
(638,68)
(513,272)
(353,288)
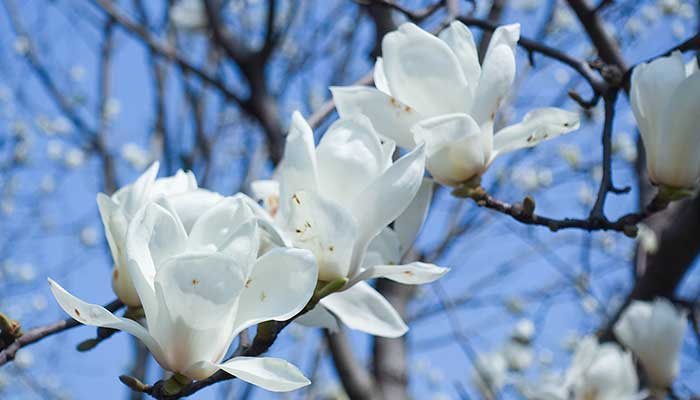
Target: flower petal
(138,193)
(273,374)
(537,125)
(94,315)
(497,75)
(423,72)
(191,205)
(415,273)
(408,224)
(454,146)
(181,182)
(362,308)
(324,228)
(350,156)
(154,235)
(461,41)
(298,169)
(319,317)
(280,285)
(197,299)
(390,117)
(380,78)
(385,247)
(389,194)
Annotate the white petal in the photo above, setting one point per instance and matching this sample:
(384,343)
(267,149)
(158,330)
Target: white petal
(228,227)
(298,169)
(94,315)
(267,191)
(350,156)
(138,193)
(380,78)
(273,374)
(280,285)
(677,155)
(537,125)
(415,273)
(390,117)
(363,308)
(319,317)
(423,72)
(408,224)
(154,234)
(197,299)
(191,205)
(181,182)
(386,248)
(454,146)
(325,229)
(652,86)
(691,67)
(497,75)
(461,41)
(390,194)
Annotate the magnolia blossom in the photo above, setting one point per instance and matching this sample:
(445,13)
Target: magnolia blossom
(665,98)
(199,289)
(601,372)
(654,332)
(432,90)
(189,15)
(117,211)
(337,200)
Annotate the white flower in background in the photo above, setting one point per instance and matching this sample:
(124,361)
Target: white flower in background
(54,150)
(77,73)
(650,13)
(624,145)
(22,45)
(601,372)
(523,331)
(24,358)
(518,356)
(432,90)
(654,332)
(88,236)
(74,158)
(490,373)
(549,386)
(545,177)
(112,108)
(200,289)
(687,11)
(136,156)
(571,153)
(189,15)
(665,101)
(669,6)
(586,195)
(678,29)
(647,239)
(61,125)
(337,200)
(118,210)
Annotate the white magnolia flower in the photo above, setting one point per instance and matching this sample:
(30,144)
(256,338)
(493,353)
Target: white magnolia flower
(490,373)
(654,332)
(189,15)
(200,289)
(601,372)
(119,209)
(518,356)
(665,100)
(433,90)
(337,200)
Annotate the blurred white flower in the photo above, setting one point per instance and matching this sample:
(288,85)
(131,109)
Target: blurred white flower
(490,373)
(518,356)
(525,178)
(647,239)
(634,26)
(24,358)
(523,331)
(136,156)
(88,236)
(571,153)
(39,302)
(112,108)
(74,158)
(54,150)
(189,15)
(678,29)
(562,76)
(602,372)
(26,272)
(590,304)
(61,125)
(687,11)
(586,195)
(668,6)
(22,45)
(77,73)
(654,332)
(624,145)
(650,13)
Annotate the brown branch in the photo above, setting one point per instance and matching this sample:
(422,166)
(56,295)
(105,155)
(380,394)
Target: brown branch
(36,334)
(358,384)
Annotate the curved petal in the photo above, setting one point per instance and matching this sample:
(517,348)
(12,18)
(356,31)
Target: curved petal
(281,283)
(362,308)
(389,194)
(380,78)
(537,125)
(154,235)
(691,67)
(461,41)
(298,169)
(390,117)
(651,88)
(191,205)
(423,72)
(677,155)
(181,182)
(497,75)
(415,273)
(385,248)
(454,147)
(138,193)
(94,315)
(115,234)
(408,224)
(350,156)
(267,191)
(319,317)
(197,299)
(325,229)
(272,374)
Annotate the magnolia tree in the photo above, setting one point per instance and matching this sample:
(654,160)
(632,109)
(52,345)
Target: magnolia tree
(273,222)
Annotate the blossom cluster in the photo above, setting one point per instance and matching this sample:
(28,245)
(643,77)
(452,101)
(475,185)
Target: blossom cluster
(204,267)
